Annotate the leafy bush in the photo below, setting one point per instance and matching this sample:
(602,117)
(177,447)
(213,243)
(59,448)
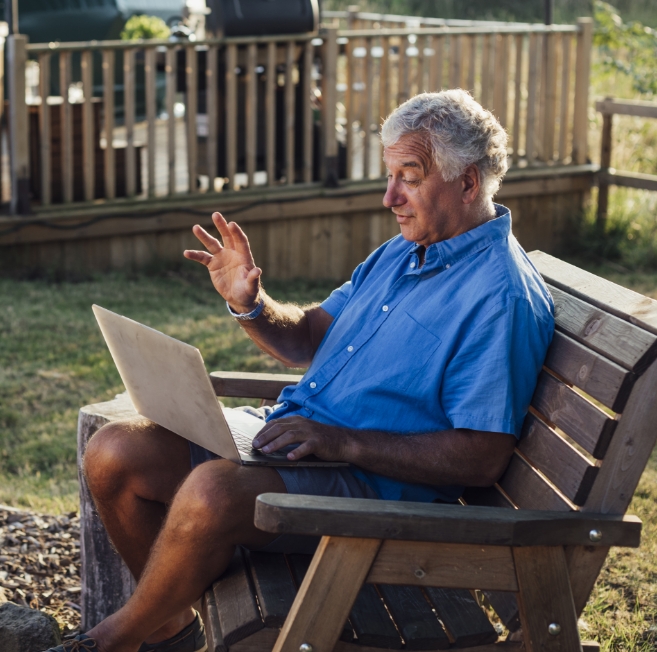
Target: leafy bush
(144,27)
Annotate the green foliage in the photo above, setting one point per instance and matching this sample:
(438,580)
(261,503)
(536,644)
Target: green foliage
(628,48)
(144,27)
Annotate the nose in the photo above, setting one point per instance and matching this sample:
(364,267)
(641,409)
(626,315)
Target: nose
(393,196)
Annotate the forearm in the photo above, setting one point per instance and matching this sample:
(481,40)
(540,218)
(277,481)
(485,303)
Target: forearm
(460,457)
(283,331)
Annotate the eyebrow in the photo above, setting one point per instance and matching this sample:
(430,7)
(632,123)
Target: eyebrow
(411,164)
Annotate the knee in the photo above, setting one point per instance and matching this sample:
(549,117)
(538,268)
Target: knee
(107,459)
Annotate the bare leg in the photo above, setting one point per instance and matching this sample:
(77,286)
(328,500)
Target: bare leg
(211,513)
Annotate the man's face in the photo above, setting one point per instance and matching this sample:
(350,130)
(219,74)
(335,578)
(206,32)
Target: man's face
(428,209)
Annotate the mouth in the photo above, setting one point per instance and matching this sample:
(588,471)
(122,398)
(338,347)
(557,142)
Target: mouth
(402,218)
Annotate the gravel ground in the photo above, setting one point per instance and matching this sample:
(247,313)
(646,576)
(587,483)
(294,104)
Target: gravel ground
(40,564)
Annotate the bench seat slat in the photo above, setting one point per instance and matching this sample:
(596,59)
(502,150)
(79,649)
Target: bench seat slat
(599,377)
(626,344)
(243,384)
(561,463)
(414,618)
(609,296)
(274,586)
(580,419)
(465,621)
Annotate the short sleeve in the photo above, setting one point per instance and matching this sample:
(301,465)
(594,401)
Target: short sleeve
(334,303)
(489,382)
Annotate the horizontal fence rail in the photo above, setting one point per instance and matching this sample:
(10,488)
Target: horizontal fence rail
(113,121)
(608,176)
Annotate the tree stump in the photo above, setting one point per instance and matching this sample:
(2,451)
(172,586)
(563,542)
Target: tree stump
(106,580)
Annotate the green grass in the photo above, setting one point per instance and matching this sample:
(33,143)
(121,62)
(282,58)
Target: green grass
(53,360)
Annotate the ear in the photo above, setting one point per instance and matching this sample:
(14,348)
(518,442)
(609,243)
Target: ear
(470,184)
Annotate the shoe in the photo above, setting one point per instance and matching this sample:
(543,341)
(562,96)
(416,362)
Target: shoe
(81,643)
(190,639)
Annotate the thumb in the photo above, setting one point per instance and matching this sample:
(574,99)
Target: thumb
(253,276)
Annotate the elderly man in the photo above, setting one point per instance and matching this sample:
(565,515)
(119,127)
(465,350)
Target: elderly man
(421,369)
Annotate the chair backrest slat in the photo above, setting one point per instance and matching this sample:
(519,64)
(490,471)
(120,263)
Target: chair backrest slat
(555,458)
(592,372)
(583,421)
(626,344)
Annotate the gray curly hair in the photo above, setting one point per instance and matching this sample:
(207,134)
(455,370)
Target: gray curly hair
(461,132)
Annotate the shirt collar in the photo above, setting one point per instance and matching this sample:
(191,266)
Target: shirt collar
(449,252)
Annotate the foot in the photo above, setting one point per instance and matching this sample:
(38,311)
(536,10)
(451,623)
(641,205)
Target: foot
(190,639)
(81,643)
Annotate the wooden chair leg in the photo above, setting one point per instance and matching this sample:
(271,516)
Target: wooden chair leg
(545,599)
(328,591)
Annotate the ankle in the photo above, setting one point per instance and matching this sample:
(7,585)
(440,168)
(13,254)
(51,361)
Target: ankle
(172,626)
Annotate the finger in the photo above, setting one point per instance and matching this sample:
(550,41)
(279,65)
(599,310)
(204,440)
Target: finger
(202,257)
(306,448)
(287,438)
(269,433)
(212,244)
(253,280)
(222,227)
(240,241)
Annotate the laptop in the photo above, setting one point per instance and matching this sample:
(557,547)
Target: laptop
(167,382)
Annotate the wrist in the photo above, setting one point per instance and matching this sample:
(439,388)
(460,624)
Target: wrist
(352,446)
(248,312)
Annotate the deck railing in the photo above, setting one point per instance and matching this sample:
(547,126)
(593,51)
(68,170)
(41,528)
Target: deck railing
(150,119)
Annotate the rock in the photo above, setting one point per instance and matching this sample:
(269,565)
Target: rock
(26,630)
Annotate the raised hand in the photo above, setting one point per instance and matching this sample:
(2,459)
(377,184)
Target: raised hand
(232,270)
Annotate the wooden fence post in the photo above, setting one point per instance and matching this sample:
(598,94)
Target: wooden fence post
(329,80)
(19,147)
(605,163)
(582,78)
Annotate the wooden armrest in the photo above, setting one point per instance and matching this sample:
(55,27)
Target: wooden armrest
(388,519)
(246,385)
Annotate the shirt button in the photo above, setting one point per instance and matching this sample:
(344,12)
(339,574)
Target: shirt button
(350,348)
(385,308)
(447,266)
(313,385)
(412,265)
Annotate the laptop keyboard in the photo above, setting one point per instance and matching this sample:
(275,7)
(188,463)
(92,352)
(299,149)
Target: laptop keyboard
(243,442)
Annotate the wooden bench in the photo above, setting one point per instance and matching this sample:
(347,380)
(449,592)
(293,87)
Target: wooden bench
(413,576)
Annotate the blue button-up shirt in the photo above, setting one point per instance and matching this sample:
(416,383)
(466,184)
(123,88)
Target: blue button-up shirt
(455,343)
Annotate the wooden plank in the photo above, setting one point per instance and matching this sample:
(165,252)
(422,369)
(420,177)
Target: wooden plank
(629,180)
(384,80)
(465,621)
(560,462)
(608,296)
(487,79)
(367,109)
(441,523)
(444,564)
(579,418)
(88,144)
(501,81)
(270,113)
(403,88)
(637,108)
(599,377)
(581,101)
(584,566)
(211,621)
(307,91)
(129,106)
(327,594)
(290,111)
(550,94)
(170,69)
(251,385)
(455,60)
(519,45)
(66,126)
(44,128)
(564,113)
(626,344)
(108,123)
(350,104)
(506,607)
(273,584)
(212,109)
(151,115)
(528,490)
(629,449)
(299,565)
(371,621)
(472,63)
(231,115)
(545,598)
(416,621)
(420,76)
(437,63)
(191,111)
(251,112)
(532,97)
(236,604)
(329,102)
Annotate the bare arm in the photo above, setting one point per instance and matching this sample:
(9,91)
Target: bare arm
(465,457)
(285,331)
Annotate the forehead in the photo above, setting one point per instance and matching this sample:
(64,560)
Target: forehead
(411,151)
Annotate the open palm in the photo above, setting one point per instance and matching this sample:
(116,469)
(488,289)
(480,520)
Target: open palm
(232,270)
